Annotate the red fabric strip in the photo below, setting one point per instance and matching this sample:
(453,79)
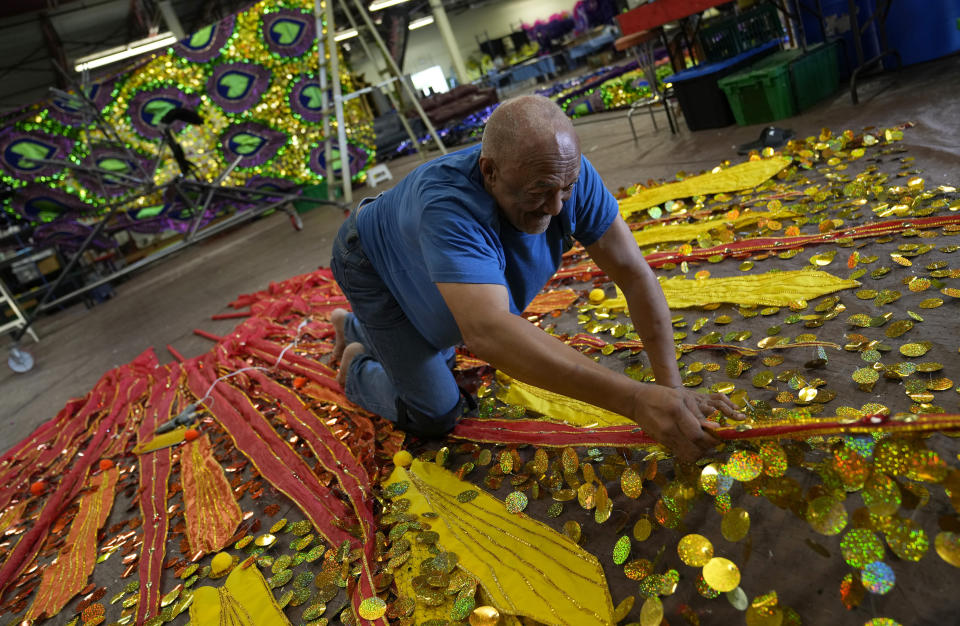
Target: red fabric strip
(776,244)
(559,435)
(65,440)
(336,458)
(206,335)
(745,247)
(294,363)
(40,435)
(175,354)
(22,461)
(154,474)
(588,341)
(231,316)
(210,510)
(547,433)
(633,344)
(270,454)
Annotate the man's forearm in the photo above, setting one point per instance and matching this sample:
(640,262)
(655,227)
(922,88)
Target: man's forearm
(651,319)
(617,254)
(527,353)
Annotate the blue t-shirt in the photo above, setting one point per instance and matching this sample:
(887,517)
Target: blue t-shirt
(439,225)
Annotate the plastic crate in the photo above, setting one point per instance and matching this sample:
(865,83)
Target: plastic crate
(816,74)
(703,103)
(728,36)
(764,91)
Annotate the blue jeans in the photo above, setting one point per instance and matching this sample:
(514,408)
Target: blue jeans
(400,376)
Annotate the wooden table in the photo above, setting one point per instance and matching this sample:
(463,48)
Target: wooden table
(656,14)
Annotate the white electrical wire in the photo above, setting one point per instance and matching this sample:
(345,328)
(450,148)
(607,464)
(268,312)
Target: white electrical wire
(290,345)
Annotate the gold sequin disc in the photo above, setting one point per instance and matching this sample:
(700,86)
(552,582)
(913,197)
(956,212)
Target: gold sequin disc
(695,550)
(721,574)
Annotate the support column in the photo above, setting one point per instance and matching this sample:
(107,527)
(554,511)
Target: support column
(55,47)
(171,19)
(446,33)
(338,107)
(318,12)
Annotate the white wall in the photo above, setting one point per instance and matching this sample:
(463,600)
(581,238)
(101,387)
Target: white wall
(425,48)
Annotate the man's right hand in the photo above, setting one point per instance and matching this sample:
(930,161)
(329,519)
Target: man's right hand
(675,419)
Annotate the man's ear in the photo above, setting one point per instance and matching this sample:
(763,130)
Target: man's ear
(487,169)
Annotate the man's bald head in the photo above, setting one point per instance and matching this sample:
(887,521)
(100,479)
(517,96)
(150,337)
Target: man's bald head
(524,126)
(530,161)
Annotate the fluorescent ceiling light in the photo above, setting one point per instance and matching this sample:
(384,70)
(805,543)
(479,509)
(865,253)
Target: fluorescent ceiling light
(421,22)
(345,34)
(376,5)
(136,48)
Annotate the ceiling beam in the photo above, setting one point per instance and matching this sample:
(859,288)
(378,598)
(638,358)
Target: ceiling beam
(58,58)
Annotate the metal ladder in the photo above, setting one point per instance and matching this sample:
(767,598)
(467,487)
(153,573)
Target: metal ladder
(19,361)
(323,12)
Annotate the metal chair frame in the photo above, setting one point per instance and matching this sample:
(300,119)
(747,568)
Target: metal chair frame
(646,60)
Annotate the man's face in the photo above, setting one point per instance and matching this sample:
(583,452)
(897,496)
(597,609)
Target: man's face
(532,190)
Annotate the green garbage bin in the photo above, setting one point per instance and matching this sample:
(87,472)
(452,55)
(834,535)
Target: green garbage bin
(314,191)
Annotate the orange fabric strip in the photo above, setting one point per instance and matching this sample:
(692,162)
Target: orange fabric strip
(466,362)
(68,574)
(211,512)
(549,301)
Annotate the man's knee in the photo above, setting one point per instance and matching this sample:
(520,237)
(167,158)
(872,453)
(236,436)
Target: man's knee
(429,426)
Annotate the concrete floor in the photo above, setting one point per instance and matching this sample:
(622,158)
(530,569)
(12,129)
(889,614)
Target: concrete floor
(163,304)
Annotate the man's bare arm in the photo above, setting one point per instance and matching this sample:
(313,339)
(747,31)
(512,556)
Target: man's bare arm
(525,352)
(617,254)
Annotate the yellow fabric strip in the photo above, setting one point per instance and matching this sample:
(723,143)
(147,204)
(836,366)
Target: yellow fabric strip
(67,576)
(243,600)
(689,232)
(769,289)
(554,405)
(167,439)
(525,567)
(742,176)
